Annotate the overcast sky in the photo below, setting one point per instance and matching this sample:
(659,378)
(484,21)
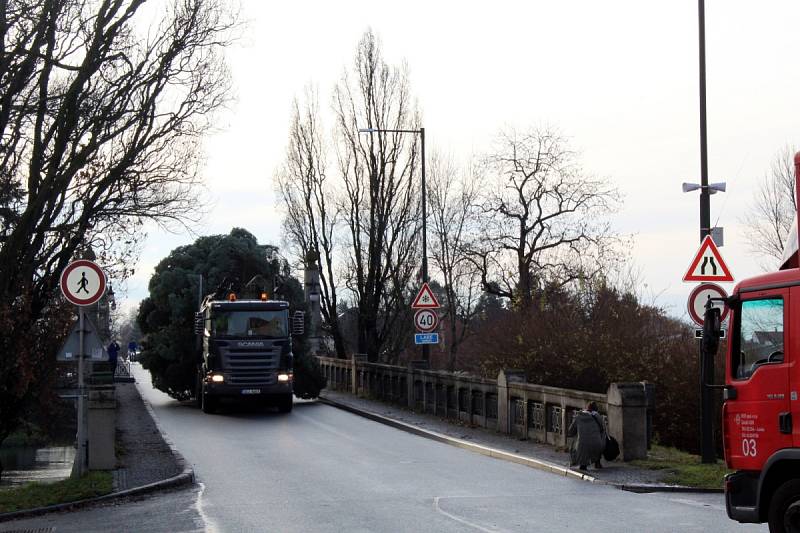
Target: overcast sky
(619,79)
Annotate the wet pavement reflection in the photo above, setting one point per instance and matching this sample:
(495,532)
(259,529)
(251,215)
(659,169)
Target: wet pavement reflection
(25,464)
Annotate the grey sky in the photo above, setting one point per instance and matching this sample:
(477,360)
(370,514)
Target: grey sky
(618,78)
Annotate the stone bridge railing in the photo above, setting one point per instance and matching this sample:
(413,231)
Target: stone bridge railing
(508,405)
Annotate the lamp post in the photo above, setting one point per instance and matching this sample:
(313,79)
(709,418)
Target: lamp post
(426,350)
(707,452)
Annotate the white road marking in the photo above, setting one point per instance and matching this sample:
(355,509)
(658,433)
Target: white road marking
(458,519)
(198,505)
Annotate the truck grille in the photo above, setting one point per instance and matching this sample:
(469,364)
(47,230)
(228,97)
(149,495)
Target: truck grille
(251,365)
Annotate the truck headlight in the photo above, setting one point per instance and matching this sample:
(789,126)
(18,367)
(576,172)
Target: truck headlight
(283,378)
(217,378)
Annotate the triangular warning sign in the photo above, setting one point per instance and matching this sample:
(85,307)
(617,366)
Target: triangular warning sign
(707,264)
(425,299)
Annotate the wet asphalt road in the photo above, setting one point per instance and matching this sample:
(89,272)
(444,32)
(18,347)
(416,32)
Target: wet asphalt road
(322,469)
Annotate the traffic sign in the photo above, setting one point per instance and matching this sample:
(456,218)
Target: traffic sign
(83,282)
(92,346)
(698,333)
(697,302)
(426,320)
(426,338)
(707,264)
(425,299)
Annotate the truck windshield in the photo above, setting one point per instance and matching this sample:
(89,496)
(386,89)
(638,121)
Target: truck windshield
(760,336)
(249,323)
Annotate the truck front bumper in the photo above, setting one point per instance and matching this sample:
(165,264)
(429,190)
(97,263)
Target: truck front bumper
(741,497)
(245,391)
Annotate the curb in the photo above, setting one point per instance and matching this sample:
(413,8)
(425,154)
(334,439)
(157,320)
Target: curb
(511,457)
(459,443)
(186,477)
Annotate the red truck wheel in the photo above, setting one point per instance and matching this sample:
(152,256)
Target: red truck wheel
(784,509)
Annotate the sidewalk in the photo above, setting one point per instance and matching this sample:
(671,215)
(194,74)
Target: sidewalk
(619,473)
(143,456)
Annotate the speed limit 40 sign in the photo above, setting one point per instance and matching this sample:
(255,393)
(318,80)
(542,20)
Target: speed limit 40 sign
(426,320)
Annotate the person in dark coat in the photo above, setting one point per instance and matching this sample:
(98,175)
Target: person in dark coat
(591,438)
(113,352)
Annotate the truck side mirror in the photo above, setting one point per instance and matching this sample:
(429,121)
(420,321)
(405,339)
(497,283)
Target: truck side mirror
(199,323)
(712,330)
(298,323)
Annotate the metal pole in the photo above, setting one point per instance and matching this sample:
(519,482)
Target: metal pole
(426,349)
(707,452)
(82,459)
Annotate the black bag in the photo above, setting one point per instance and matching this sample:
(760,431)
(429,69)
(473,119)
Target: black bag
(611,450)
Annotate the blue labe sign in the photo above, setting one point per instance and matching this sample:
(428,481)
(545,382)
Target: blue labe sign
(426,338)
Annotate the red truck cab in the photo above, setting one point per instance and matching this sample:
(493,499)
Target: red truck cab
(761,412)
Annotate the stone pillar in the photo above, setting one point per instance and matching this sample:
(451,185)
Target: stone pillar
(102,429)
(627,418)
(312,295)
(504,422)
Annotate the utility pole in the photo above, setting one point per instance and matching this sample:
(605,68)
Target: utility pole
(426,348)
(707,452)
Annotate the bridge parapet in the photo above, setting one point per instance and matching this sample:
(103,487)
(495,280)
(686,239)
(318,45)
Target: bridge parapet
(508,405)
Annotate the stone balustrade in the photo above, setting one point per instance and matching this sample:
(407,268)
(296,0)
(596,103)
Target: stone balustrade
(508,405)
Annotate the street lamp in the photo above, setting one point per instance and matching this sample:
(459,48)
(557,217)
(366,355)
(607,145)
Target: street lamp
(421,131)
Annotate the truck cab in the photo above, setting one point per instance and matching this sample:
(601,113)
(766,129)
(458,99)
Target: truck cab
(762,380)
(245,352)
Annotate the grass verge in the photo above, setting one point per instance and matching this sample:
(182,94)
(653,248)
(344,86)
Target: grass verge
(34,495)
(684,468)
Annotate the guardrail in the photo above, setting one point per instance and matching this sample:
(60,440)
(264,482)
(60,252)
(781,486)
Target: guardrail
(508,405)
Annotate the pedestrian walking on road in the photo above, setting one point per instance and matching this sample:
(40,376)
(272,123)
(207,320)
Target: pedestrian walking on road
(587,448)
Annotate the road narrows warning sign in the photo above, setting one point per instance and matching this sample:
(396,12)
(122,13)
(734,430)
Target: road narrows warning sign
(708,264)
(425,299)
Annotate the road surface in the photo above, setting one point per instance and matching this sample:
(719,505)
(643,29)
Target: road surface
(320,469)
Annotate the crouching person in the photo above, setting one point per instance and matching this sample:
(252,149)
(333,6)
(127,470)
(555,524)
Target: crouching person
(587,448)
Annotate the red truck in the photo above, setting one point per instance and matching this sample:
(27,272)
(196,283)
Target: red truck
(762,382)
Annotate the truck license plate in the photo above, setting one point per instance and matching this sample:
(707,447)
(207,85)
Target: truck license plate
(251,391)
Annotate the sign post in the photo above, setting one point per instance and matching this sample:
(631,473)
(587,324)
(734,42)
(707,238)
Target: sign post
(82,283)
(707,265)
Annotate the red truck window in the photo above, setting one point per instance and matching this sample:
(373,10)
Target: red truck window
(760,338)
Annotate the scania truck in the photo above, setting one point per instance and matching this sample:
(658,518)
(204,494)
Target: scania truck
(245,351)
(762,382)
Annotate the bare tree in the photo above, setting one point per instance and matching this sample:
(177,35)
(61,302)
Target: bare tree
(380,207)
(451,198)
(769,218)
(545,220)
(100,126)
(312,217)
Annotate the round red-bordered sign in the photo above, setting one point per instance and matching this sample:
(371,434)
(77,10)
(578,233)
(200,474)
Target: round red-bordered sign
(83,282)
(426,320)
(699,296)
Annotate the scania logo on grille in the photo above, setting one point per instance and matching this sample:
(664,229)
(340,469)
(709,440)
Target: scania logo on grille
(250,344)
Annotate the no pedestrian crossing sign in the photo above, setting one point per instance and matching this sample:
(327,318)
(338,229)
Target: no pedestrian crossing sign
(83,282)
